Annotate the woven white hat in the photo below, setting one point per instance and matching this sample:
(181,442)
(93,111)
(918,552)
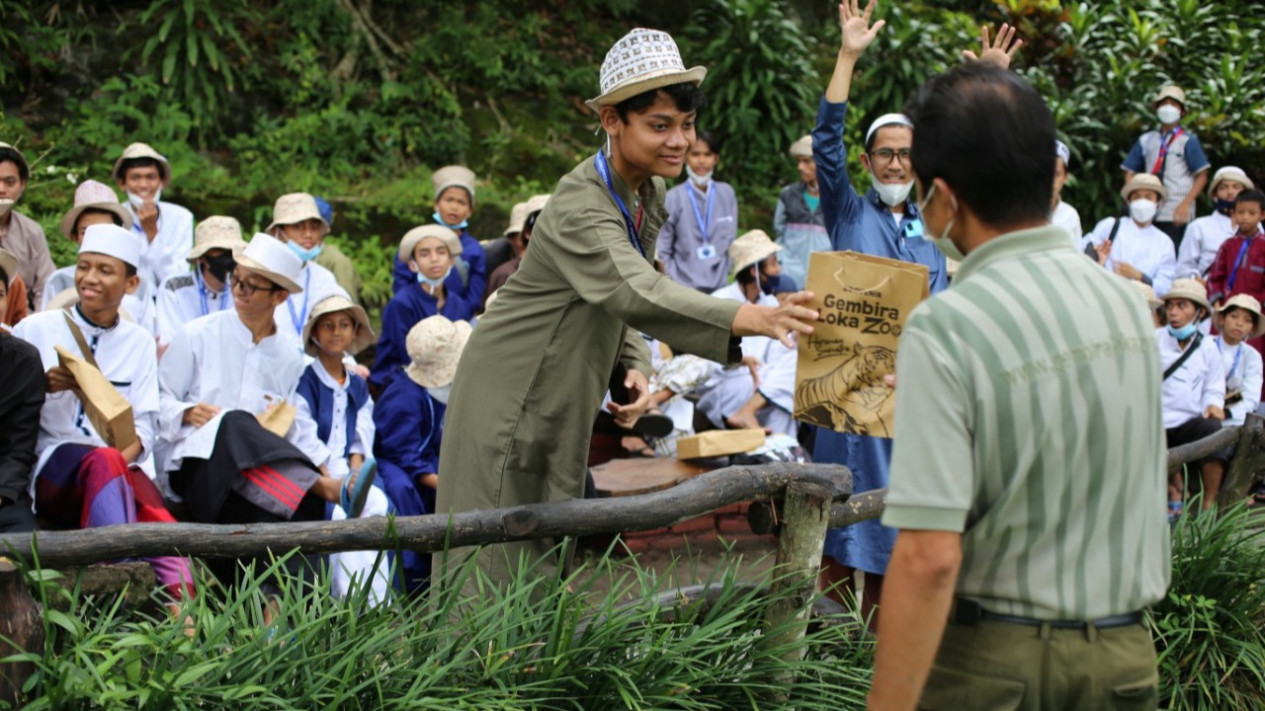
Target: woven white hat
(1232,173)
(92,195)
(1145,291)
(434,346)
(333,304)
(1191,290)
(1170,91)
(802,148)
(454,176)
(751,248)
(112,241)
(1062,151)
(887,120)
(143,150)
(216,232)
(293,208)
(1144,181)
(640,61)
(523,210)
(409,242)
(9,263)
(1247,303)
(272,260)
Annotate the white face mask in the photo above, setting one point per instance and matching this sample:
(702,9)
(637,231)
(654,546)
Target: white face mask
(137,200)
(892,194)
(1142,211)
(1168,113)
(943,243)
(440,393)
(700,181)
(5,206)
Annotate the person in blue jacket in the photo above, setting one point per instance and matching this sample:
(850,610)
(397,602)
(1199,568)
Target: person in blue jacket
(454,204)
(883,222)
(430,251)
(409,417)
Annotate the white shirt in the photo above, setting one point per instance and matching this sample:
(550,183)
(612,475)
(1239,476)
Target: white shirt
(184,297)
(1243,372)
(318,283)
(1203,239)
(165,256)
(1147,249)
(362,437)
(1069,219)
(137,307)
(127,357)
(1195,386)
(215,360)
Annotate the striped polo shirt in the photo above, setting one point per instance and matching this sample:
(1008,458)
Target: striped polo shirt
(1028,419)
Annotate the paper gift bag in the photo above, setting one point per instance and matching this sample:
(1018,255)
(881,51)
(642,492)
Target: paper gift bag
(277,418)
(863,302)
(109,412)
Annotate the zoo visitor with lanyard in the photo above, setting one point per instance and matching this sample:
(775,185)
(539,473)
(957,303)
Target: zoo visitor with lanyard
(559,332)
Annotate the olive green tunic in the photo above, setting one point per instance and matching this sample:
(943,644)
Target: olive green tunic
(535,370)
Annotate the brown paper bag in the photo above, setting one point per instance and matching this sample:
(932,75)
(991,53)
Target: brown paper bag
(109,412)
(863,302)
(277,418)
(719,443)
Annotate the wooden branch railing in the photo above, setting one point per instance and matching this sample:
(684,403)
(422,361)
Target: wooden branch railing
(692,498)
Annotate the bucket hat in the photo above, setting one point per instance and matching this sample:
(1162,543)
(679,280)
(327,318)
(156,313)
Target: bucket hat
(641,61)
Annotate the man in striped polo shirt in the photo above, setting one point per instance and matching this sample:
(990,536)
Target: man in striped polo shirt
(1028,470)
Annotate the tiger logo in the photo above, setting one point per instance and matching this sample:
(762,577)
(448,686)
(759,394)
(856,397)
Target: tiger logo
(849,398)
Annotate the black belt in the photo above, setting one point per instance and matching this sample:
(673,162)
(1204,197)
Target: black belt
(969,613)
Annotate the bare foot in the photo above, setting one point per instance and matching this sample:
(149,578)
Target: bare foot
(743,420)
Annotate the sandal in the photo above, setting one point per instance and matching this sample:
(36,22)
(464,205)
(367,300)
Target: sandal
(352,497)
(654,425)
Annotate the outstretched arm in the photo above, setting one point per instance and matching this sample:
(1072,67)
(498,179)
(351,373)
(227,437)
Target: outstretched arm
(1001,51)
(857,34)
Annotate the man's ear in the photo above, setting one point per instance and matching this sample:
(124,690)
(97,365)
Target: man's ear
(412,266)
(865,161)
(133,283)
(279,296)
(611,122)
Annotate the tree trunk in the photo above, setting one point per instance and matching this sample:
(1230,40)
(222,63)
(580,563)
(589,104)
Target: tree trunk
(1248,459)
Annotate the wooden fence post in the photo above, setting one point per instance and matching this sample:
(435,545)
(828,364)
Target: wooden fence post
(22,626)
(1249,458)
(806,516)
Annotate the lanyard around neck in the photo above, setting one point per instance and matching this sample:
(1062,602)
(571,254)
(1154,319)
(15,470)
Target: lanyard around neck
(206,308)
(633,227)
(298,319)
(1238,352)
(703,223)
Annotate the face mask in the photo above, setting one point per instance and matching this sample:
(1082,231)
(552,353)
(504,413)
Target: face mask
(1182,333)
(770,283)
(700,181)
(440,221)
(137,200)
(1142,211)
(5,206)
(891,193)
(220,266)
(1169,113)
(440,393)
(943,243)
(1225,207)
(432,283)
(306,255)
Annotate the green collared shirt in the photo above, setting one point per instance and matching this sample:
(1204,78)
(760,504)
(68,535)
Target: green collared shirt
(1028,419)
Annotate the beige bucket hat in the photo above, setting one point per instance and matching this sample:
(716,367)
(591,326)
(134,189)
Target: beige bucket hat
(1146,292)
(9,263)
(293,208)
(523,210)
(1170,91)
(269,258)
(1247,303)
(454,176)
(143,150)
(1144,181)
(216,232)
(409,242)
(92,195)
(640,61)
(435,346)
(1190,289)
(802,148)
(335,303)
(751,248)
(1231,173)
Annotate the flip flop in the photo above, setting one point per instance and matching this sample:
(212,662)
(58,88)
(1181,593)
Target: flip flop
(352,497)
(653,424)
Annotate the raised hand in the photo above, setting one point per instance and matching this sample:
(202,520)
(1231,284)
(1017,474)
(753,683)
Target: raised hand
(854,26)
(1001,51)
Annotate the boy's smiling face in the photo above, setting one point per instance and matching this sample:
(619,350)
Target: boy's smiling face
(334,332)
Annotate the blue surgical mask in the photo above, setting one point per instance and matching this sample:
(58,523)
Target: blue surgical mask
(433,283)
(1184,332)
(1225,207)
(440,393)
(440,221)
(770,283)
(306,255)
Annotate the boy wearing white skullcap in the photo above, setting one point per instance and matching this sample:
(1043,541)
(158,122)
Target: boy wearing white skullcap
(1064,215)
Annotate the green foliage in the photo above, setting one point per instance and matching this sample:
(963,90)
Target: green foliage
(560,643)
(1208,630)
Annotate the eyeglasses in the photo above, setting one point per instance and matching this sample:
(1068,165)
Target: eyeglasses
(249,289)
(884,156)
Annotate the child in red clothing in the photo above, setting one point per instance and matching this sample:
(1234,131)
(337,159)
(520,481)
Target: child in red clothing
(1240,264)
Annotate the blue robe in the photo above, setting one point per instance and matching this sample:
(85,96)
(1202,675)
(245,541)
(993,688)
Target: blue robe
(410,425)
(863,224)
(476,263)
(402,312)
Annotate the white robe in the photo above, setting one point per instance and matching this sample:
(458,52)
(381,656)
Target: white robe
(1243,372)
(1200,244)
(1069,219)
(127,357)
(185,297)
(1146,249)
(138,306)
(362,438)
(318,283)
(166,255)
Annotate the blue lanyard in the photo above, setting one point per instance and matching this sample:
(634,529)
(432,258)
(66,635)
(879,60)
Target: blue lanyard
(1238,351)
(698,216)
(600,163)
(206,308)
(300,318)
(1238,262)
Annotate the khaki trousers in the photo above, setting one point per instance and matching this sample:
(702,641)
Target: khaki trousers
(1002,665)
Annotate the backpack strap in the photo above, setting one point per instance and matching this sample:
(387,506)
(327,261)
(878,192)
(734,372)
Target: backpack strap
(1190,350)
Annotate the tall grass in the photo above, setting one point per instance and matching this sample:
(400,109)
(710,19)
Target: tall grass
(555,643)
